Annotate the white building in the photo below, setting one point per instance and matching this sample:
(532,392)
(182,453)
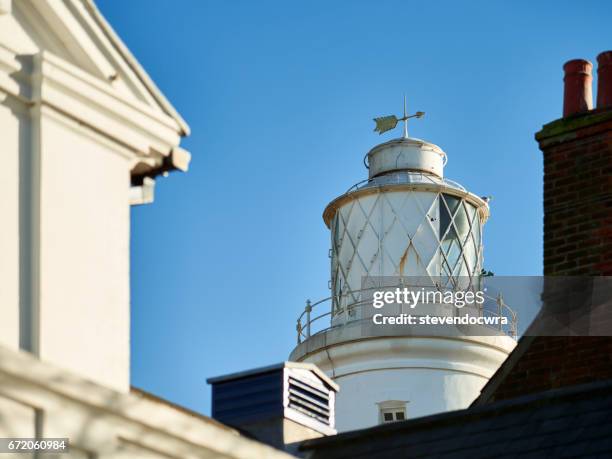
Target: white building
(406,221)
(83,132)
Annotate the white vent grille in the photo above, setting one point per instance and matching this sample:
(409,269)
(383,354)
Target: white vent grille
(309,400)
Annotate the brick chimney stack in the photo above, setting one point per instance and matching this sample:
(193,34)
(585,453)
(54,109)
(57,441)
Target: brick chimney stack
(577,151)
(604,80)
(578,83)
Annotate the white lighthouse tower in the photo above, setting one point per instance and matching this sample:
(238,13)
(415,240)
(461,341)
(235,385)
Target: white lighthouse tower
(405,221)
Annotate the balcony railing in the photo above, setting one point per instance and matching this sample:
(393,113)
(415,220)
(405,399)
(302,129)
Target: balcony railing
(312,320)
(403,178)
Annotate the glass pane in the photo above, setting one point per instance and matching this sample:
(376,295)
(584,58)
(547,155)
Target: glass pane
(476,228)
(462,223)
(425,242)
(470,254)
(388,417)
(445,217)
(453,253)
(399,416)
(452,202)
(405,208)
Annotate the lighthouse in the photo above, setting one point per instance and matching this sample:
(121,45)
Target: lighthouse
(406,221)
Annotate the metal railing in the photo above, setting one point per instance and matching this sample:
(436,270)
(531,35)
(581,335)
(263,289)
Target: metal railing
(310,324)
(400,178)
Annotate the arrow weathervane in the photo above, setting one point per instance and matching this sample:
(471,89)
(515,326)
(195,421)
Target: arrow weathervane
(386,123)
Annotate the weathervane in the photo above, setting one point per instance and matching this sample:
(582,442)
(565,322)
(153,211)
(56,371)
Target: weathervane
(386,123)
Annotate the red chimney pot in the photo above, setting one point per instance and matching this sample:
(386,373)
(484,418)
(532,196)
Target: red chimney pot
(604,79)
(578,93)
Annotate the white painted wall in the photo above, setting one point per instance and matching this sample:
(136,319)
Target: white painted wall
(13,118)
(84,253)
(64,273)
(77,116)
(426,391)
(432,374)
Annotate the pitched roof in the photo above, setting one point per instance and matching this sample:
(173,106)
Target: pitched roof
(77,32)
(571,421)
(135,65)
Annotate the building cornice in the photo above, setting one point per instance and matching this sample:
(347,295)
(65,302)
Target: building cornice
(47,80)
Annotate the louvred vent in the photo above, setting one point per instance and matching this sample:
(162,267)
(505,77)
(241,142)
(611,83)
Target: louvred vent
(309,400)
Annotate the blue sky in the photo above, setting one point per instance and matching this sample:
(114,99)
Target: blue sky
(280,98)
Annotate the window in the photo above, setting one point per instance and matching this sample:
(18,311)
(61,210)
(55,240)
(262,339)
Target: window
(392,414)
(392,411)
(459,238)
